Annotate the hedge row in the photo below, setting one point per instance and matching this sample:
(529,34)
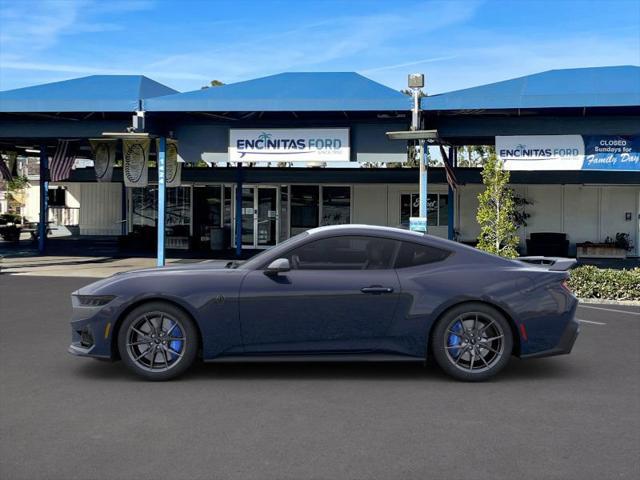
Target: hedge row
(606,283)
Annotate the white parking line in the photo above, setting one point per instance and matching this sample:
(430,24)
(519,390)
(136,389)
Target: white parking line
(609,309)
(589,321)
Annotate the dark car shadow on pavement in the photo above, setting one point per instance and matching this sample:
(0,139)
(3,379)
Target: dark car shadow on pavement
(516,371)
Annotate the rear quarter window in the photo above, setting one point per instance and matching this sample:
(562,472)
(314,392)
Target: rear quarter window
(415,254)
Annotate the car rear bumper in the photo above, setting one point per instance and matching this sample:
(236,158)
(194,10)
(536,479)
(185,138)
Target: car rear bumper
(565,344)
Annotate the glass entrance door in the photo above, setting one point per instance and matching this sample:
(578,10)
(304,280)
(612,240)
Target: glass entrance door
(267,206)
(259,216)
(248,214)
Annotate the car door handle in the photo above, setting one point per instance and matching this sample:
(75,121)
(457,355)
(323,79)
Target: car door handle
(376,289)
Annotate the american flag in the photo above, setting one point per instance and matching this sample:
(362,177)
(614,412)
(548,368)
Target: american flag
(4,170)
(448,169)
(62,161)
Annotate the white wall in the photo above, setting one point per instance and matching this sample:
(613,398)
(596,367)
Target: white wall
(583,212)
(100,208)
(370,204)
(467,206)
(581,215)
(615,202)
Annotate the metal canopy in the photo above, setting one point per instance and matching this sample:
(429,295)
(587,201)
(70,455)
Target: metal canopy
(96,93)
(569,88)
(289,92)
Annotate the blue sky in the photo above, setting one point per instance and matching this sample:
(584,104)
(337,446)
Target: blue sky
(184,44)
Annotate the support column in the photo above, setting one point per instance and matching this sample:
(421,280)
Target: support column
(44,199)
(124,230)
(423,179)
(238,210)
(162,190)
(450,197)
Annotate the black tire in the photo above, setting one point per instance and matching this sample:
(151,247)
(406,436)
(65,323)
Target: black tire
(172,363)
(458,354)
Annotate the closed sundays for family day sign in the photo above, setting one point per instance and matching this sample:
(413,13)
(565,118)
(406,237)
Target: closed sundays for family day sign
(289,145)
(569,152)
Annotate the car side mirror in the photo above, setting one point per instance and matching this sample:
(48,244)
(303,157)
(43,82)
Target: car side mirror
(279,265)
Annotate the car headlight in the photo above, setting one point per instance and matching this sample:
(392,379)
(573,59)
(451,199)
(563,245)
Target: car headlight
(91,300)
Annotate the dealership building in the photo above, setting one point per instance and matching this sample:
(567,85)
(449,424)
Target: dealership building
(252,163)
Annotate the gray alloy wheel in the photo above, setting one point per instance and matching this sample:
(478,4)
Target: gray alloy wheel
(158,341)
(472,342)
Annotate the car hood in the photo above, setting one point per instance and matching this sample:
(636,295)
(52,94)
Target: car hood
(148,274)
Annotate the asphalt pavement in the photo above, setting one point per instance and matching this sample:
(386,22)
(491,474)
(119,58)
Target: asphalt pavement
(61,417)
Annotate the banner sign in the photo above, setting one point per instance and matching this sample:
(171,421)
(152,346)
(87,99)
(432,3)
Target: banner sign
(541,152)
(569,152)
(136,162)
(610,152)
(104,157)
(289,145)
(173,166)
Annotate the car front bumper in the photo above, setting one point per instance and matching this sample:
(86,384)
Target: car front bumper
(92,330)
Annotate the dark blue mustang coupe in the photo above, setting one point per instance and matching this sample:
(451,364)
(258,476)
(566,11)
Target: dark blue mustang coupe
(343,292)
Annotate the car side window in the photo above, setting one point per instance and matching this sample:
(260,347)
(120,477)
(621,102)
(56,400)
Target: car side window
(414,254)
(344,253)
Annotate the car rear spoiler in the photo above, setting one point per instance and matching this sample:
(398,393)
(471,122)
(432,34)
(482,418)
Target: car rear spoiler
(557,264)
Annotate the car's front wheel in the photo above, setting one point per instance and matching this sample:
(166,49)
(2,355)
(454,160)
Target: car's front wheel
(472,342)
(157,341)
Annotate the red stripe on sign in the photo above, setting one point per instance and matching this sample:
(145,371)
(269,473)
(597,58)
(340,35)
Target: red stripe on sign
(523,332)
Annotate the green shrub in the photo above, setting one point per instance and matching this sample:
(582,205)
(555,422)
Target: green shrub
(606,283)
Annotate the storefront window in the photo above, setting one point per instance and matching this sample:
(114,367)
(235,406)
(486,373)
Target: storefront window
(432,209)
(443,210)
(207,213)
(304,207)
(437,213)
(228,199)
(284,213)
(336,205)
(144,213)
(144,207)
(409,207)
(179,207)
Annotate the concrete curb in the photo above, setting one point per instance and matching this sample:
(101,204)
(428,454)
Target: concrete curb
(602,301)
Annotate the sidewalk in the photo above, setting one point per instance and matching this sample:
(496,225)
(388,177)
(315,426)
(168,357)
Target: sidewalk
(95,267)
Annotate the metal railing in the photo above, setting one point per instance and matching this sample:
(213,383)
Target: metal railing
(64,215)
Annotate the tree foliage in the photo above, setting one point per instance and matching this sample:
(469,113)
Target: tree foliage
(496,211)
(474,155)
(213,83)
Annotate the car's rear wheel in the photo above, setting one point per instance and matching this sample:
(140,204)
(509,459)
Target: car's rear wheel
(472,342)
(158,341)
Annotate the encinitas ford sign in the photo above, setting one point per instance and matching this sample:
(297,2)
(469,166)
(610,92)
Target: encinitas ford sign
(541,152)
(289,145)
(569,152)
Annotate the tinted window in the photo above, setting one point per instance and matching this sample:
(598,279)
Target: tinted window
(344,253)
(413,254)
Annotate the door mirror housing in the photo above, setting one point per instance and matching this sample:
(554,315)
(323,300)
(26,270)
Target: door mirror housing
(279,265)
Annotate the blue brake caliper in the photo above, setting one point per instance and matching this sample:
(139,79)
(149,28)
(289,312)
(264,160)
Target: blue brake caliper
(455,340)
(175,345)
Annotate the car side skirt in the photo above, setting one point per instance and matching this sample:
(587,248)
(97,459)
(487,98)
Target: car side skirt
(327,357)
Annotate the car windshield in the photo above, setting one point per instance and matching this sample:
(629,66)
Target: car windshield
(257,260)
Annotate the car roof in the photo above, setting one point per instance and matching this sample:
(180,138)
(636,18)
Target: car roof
(353,227)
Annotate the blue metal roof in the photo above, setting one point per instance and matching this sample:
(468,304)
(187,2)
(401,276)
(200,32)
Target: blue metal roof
(577,87)
(96,93)
(298,92)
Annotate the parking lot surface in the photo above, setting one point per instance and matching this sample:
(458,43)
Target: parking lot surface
(569,417)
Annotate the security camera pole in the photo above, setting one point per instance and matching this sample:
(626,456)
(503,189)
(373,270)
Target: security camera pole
(416,83)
